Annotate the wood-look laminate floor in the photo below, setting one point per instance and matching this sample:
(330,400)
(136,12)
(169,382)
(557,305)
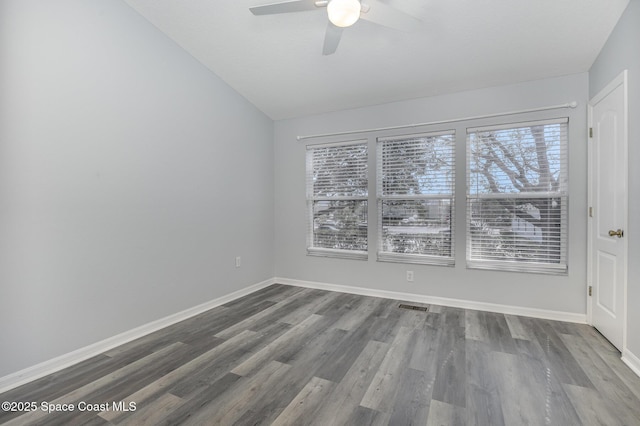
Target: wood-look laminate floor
(292,356)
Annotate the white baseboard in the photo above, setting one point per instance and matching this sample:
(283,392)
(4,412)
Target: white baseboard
(632,361)
(432,300)
(56,364)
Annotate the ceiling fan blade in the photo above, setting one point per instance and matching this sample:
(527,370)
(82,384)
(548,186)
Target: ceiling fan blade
(285,7)
(387,16)
(331,39)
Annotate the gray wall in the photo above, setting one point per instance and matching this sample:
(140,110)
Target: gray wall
(556,293)
(130,178)
(622,51)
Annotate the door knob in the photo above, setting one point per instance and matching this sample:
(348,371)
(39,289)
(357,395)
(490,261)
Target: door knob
(619,233)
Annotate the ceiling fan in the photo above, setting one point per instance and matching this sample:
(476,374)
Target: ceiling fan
(343,14)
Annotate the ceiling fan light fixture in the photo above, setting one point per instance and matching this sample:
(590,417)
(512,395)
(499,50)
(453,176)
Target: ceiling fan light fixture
(343,13)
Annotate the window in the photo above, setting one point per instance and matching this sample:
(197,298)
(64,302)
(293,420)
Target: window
(337,191)
(517,197)
(415,186)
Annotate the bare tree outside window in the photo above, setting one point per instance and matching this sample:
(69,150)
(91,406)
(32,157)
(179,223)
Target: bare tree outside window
(517,195)
(337,191)
(416,180)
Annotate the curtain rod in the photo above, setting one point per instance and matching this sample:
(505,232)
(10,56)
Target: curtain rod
(573,104)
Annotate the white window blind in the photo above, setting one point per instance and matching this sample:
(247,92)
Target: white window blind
(415,186)
(337,191)
(517,197)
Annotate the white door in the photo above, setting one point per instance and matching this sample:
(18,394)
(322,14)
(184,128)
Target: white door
(608,195)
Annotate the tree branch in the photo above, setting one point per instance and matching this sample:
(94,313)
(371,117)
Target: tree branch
(522,174)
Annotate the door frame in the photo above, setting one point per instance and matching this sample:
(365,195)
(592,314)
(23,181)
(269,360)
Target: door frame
(620,80)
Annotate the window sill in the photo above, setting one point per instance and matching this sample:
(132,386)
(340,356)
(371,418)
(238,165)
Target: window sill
(416,259)
(526,267)
(339,254)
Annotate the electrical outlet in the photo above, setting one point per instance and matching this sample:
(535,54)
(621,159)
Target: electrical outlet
(238,261)
(410,276)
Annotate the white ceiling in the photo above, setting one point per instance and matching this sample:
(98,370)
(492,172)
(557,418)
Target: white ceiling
(276,61)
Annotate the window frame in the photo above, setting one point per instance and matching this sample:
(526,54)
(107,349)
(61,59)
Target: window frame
(476,261)
(412,198)
(312,198)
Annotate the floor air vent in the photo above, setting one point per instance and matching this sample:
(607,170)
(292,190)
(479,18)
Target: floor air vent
(413,307)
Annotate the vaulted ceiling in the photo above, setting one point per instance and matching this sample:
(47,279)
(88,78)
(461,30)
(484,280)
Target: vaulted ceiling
(276,61)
